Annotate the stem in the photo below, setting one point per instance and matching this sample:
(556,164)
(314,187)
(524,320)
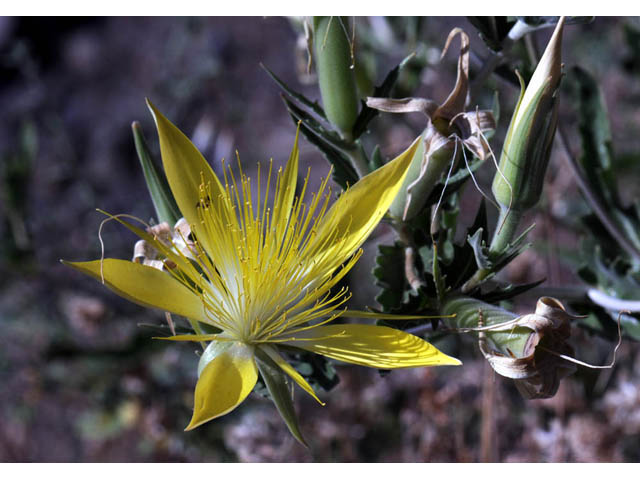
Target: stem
(506,227)
(357,158)
(595,202)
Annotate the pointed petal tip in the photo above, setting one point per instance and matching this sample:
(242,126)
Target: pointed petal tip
(452,361)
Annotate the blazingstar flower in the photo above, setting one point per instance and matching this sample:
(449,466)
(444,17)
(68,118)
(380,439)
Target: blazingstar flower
(263,273)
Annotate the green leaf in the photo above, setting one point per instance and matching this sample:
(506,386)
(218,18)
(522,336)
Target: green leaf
(314,106)
(281,392)
(493,30)
(343,172)
(163,201)
(384,90)
(480,250)
(595,132)
(389,273)
(328,135)
(604,323)
(509,291)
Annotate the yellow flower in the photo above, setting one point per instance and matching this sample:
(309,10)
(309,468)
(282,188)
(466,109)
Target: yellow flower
(263,272)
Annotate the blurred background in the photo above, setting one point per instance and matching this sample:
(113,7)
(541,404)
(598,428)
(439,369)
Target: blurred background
(81,381)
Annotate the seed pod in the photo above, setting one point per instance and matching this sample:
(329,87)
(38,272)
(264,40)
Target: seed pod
(525,154)
(336,76)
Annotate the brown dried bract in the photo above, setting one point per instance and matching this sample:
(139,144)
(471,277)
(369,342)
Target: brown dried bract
(538,371)
(448,123)
(177,238)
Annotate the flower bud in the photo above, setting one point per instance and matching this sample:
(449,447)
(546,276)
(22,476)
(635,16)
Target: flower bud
(525,154)
(336,75)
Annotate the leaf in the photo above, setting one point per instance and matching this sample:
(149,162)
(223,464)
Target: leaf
(343,173)
(281,391)
(314,106)
(480,250)
(493,30)
(389,273)
(327,134)
(604,323)
(509,291)
(384,90)
(163,201)
(595,133)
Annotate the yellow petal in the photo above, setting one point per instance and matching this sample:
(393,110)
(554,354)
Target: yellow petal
(289,370)
(358,210)
(187,171)
(144,285)
(371,346)
(223,384)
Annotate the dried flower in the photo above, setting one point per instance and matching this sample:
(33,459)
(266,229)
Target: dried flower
(449,129)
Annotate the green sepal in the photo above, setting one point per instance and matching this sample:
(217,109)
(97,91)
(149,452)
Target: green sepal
(281,392)
(163,201)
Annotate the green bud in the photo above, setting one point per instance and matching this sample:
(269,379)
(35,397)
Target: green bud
(336,76)
(525,154)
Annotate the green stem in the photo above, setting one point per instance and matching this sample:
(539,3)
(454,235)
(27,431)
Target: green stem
(506,227)
(358,159)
